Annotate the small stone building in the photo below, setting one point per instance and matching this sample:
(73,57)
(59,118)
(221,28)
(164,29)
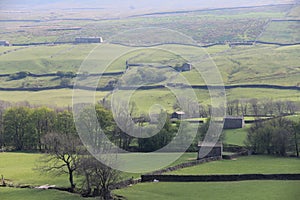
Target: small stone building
(4,43)
(186,67)
(177,115)
(231,122)
(88,40)
(208,150)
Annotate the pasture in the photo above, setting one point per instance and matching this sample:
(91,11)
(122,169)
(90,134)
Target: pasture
(36,194)
(236,136)
(260,190)
(255,164)
(19,168)
(237,65)
(60,98)
(286,32)
(144,99)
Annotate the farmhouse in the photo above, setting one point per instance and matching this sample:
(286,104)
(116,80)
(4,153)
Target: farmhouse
(208,150)
(231,122)
(177,115)
(4,43)
(88,40)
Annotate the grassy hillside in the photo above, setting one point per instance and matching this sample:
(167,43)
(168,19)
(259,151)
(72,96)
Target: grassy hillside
(282,32)
(45,59)
(203,26)
(60,98)
(236,136)
(238,65)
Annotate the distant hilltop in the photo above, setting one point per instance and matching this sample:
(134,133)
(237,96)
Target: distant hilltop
(116,9)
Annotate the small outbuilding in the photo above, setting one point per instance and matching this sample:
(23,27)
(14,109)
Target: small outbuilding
(208,150)
(184,67)
(177,115)
(4,43)
(231,122)
(88,40)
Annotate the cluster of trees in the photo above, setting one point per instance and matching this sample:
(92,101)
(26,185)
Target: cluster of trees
(52,131)
(23,127)
(267,107)
(278,136)
(246,107)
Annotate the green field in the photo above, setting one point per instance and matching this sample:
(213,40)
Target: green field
(245,165)
(238,65)
(173,36)
(45,59)
(260,64)
(146,98)
(282,32)
(36,194)
(60,98)
(18,168)
(236,136)
(260,190)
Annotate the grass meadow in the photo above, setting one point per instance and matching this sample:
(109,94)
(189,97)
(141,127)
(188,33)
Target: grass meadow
(18,168)
(256,164)
(260,190)
(267,64)
(36,194)
(60,98)
(236,136)
(257,64)
(282,32)
(144,99)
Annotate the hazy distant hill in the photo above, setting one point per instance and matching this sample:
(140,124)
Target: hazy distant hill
(129,7)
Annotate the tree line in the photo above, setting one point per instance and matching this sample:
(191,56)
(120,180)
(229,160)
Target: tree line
(23,127)
(243,107)
(279,136)
(52,131)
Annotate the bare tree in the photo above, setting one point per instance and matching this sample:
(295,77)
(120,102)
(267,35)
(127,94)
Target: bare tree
(279,106)
(230,107)
(244,106)
(62,155)
(98,178)
(268,107)
(291,107)
(296,131)
(254,105)
(237,106)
